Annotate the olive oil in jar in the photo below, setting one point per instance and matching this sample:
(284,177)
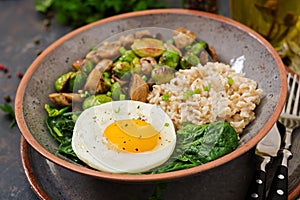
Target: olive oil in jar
(273,19)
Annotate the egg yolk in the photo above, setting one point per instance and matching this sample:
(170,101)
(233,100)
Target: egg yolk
(132,135)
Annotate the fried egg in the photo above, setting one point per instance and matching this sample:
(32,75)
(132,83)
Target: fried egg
(124,137)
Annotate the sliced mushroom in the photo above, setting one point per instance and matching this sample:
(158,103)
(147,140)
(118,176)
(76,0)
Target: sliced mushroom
(109,49)
(204,57)
(120,81)
(95,83)
(65,99)
(93,56)
(143,34)
(183,37)
(126,40)
(104,65)
(138,89)
(147,65)
(212,51)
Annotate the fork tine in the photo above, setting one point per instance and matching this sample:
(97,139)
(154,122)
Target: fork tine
(296,103)
(290,97)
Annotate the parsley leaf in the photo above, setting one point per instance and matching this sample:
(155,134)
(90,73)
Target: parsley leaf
(80,12)
(10,111)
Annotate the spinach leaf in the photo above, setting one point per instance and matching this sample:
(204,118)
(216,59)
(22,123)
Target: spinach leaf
(199,144)
(10,111)
(61,124)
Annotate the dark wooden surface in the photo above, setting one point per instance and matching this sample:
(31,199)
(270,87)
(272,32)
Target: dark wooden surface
(21,27)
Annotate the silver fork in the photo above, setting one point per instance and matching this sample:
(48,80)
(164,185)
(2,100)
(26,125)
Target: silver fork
(290,118)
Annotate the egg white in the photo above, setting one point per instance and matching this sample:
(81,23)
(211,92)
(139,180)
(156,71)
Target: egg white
(91,147)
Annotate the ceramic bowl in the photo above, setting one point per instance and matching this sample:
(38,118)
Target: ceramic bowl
(230,39)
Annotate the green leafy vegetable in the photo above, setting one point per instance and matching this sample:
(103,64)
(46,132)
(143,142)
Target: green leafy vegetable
(80,12)
(199,144)
(61,124)
(10,111)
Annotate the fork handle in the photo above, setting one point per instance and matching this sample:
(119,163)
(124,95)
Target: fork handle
(279,185)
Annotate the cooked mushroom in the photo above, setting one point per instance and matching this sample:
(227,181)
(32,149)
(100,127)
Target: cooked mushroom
(211,50)
(93,56)
(95,83)
(120,81)
(183,37)
(104,65)
(147,65)
(65,99)
(109,49)
(138,89)
(126,40)
(143,34)
(204,57)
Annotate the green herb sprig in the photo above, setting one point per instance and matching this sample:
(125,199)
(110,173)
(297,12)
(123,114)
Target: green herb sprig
(7,108)
(80,12)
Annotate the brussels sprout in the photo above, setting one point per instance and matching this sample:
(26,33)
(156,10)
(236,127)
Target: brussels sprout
(170,58)
(95,100)
(189,60)
(148,47)
(121,68)
(136,66)
(87,66)
(61,82)
(77,81)
(127,55)
(117,92)
(162,74)
(198,47)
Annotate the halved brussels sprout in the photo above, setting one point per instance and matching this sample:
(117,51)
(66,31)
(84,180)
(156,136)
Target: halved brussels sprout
(148,47)
(61,82)
(95,100)
(170,58)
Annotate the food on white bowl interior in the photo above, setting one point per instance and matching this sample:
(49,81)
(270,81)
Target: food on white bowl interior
(203,102)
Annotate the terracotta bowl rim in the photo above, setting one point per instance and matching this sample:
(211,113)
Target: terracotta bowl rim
(148,177)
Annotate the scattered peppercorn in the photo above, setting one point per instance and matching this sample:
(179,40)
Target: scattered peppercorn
(19,75)
(46,22)
(36,40)
(8,76)
(3,68)
(38,52)
(7,99)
